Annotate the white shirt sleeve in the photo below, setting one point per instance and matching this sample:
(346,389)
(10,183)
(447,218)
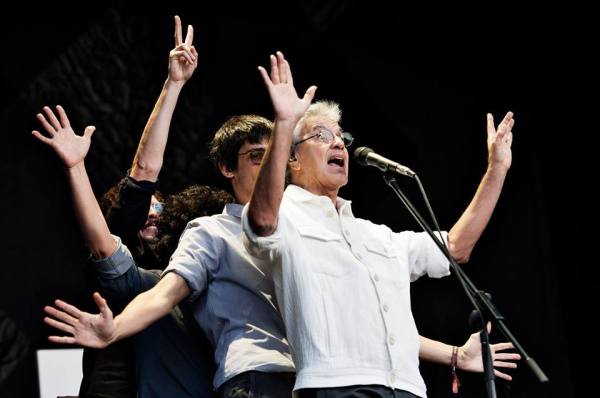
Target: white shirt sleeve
(266,248)
(424,256)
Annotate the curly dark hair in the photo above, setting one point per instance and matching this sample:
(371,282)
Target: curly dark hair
(180,208)
(232,135)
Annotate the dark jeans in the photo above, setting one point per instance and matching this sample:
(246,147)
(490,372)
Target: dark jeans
(253,384)
(368,391)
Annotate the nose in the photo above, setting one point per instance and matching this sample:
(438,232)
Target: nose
(338,142)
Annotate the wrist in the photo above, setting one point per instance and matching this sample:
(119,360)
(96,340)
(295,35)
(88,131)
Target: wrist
(174,84)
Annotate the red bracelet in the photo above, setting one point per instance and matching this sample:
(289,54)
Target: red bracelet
(454,363)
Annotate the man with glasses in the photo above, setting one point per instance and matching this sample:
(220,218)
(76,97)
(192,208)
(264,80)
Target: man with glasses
(342,283)
(233,299)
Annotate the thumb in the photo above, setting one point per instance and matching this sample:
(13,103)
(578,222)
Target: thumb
(102,305)
(89,130)
(310,93)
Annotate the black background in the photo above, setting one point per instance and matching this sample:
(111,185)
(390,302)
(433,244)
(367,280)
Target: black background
(414,84)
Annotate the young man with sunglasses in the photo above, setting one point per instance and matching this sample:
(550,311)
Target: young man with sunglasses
(233,299)
(343,282)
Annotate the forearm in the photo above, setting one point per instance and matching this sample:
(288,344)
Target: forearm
(149,155)
(469,227)
(268,191)
(87,211)
(150,306)
(435,351)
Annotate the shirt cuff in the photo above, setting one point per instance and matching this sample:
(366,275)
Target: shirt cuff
(115,265)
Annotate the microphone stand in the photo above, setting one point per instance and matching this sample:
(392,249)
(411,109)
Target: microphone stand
(480,300)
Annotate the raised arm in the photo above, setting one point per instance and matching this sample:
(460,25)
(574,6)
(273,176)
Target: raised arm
(469,354)
(469,227)
(268,191)
(183,60)
(72,149)
(100,330)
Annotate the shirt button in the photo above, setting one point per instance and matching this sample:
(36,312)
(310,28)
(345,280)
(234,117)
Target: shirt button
(392,379)
(392,340)
(376,277)
(330,213)
(359,256)
(346,232)
(385,308)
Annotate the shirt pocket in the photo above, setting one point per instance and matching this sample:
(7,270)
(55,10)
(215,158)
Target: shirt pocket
(385,261)
(323,247)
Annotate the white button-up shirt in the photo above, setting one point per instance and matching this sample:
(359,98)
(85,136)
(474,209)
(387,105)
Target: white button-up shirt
(342,284)
(234,299)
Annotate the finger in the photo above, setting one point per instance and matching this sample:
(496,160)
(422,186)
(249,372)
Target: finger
(178,35)
(507,356)
(489,327)
(102,305)
(89,130)
(62,339)
(45,124)
(189,37)
(40,137)
(491,130)
(290,79)
(265,77)
(59,325)
(502,364)
(52,118)
(68,308)
(502,346)
(502,375)
(64,120)
(183,56)
(310,93)
(194,52)
(281,64)
(274,70)
(63,316)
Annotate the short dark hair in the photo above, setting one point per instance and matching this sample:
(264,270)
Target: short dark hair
(233,134)
(180,208)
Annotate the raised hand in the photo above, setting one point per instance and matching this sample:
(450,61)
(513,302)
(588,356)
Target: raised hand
(70,147)
(499,141)
(89,330)
(183,59)
(469,356)
(286,103)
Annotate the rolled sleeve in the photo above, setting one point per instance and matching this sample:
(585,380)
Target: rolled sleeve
(424,255)
(115,265)
(196,256)
(263,247)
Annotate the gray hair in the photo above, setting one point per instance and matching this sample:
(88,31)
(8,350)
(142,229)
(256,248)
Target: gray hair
(329,109)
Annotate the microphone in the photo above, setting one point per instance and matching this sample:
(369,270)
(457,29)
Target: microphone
(367,157)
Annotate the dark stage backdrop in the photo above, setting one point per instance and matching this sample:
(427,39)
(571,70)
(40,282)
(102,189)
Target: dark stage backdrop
(414,86)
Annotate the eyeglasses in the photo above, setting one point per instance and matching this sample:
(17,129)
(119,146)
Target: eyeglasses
(327,137)
(157,207)
(256,155)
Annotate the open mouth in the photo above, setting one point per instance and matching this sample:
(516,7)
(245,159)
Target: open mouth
(336,160)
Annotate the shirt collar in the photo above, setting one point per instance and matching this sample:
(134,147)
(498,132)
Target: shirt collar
(302,195)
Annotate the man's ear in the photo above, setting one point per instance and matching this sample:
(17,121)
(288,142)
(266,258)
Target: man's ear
(227,173)
(293,163)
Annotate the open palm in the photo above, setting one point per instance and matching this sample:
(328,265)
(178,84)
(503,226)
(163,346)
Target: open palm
(70,147)
(89,330)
